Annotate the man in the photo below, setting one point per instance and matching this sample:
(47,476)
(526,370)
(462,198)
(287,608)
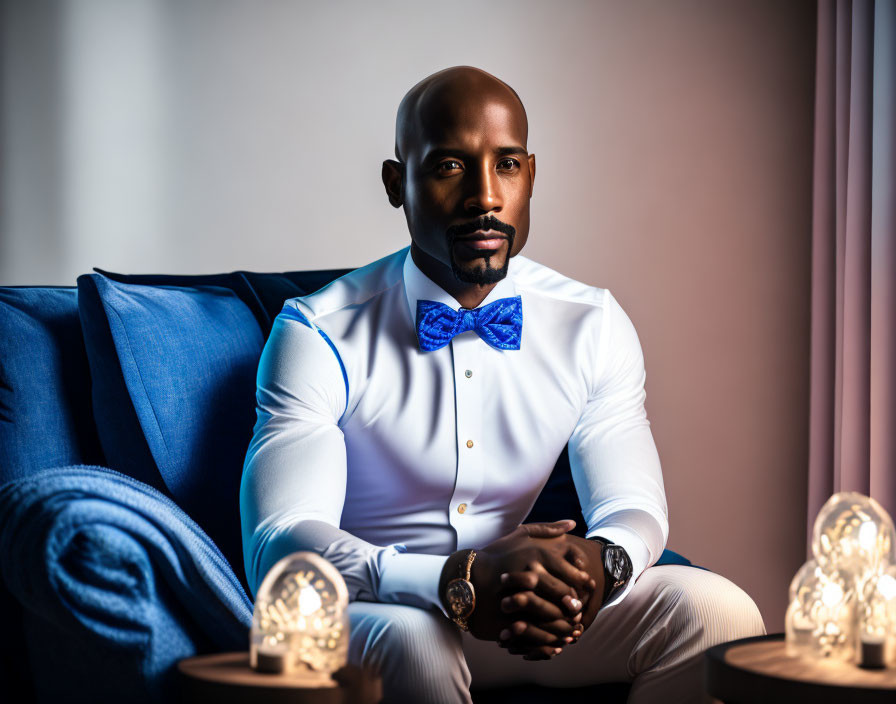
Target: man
(410,413)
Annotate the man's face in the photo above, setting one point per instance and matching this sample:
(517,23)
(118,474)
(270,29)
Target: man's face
(468,181)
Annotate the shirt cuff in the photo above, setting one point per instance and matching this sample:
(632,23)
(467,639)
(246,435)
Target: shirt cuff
(410,578)
(637,550)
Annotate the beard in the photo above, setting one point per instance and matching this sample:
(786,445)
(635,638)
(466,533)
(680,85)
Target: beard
(486,274)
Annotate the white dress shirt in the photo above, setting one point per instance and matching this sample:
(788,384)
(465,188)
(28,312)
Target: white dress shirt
(385,458)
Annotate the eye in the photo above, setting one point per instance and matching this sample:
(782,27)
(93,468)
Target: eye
(448,166)
(508,164)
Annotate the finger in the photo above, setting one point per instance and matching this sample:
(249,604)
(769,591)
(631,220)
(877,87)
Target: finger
(576,556)
(562,630)
(556,633)
(549,530)
(578,579)
(544,653)
(544,584)
(535,607)
(522,581)
(532,639)
(524,636)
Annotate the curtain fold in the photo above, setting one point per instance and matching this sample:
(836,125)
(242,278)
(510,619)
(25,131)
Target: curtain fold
(853,345)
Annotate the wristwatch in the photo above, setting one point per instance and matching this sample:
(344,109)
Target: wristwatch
(460,595)
(617,567)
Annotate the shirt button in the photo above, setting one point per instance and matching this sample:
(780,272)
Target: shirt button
(462,508)
(468,373)
(469,443)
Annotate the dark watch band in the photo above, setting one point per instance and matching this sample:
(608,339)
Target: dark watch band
(617,567)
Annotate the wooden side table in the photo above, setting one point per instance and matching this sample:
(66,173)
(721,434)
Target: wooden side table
(226,678)
(759,670)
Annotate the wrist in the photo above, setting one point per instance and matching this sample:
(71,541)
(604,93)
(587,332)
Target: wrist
(616,566)
(456,591)
(450,570)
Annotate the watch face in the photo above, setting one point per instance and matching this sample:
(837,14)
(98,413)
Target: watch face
(460,597)
(617,563)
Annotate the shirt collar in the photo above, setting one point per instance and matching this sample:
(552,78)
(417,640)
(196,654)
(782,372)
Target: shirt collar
(418,286)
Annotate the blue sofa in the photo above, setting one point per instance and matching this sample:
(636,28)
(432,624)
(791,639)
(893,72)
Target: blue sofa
(126,407)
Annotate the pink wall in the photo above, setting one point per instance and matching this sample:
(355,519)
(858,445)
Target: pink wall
(697,215)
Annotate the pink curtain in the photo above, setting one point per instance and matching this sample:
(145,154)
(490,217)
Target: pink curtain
(852,429)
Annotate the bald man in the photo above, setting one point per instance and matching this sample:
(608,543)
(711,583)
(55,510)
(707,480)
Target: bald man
(410,413)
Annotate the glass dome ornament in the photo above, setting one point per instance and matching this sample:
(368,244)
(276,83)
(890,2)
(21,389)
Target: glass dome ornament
(877,620)
(300,625)
(821,615)
(853,534)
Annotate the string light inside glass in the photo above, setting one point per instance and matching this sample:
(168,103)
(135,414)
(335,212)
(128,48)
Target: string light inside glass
(843,601)
(300,625)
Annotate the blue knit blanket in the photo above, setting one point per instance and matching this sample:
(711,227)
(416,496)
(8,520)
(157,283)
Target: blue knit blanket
(117,585)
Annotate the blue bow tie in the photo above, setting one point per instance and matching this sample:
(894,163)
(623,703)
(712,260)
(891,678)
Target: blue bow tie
(500,323)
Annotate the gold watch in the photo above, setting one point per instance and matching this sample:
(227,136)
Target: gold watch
(460,595)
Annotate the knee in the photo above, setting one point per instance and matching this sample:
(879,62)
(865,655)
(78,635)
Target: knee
(422,644)
(711,610)
(693,610)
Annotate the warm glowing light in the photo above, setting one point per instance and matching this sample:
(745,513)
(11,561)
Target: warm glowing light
(309,600)
(867,535)
(831,594)
(886,585)
(843,601)
(300,625)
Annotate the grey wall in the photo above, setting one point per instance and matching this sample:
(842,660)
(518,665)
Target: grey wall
(673,141)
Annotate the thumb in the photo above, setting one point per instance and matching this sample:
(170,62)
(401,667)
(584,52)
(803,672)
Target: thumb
(549,530)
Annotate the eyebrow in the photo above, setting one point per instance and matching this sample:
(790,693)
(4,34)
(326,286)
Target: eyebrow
(440,152)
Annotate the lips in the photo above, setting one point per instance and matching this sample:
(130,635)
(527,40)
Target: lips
(483,240)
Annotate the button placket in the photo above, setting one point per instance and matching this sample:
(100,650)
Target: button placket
(468,409)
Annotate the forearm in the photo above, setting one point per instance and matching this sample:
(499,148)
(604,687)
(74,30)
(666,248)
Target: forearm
(371,572)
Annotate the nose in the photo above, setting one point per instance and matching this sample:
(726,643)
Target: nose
(484,191)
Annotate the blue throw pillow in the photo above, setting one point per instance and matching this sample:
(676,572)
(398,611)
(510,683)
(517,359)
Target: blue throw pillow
(173,373)
(263,293)
(45,416)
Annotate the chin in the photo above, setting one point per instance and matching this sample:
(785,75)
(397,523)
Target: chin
(482,274)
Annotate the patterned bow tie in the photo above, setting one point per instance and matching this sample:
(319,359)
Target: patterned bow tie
(500,323)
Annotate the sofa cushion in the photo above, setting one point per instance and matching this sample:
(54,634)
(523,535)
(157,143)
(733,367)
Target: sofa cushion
(263,293)
(45,415)
(272,289)
(174,391)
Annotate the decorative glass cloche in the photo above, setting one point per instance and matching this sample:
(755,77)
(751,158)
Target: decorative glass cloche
(819,620)
(854,534)
(300,625)
(843,602)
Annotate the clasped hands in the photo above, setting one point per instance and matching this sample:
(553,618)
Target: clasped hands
(537,589)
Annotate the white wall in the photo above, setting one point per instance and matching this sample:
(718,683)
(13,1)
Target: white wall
(673,140)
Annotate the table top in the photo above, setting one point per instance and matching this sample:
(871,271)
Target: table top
(227,677)
(759,669)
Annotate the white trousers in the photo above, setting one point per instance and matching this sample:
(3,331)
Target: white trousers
(654,639)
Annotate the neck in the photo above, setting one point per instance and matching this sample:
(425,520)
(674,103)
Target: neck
(468,295)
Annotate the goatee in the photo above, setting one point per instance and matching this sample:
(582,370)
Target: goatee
(487,274)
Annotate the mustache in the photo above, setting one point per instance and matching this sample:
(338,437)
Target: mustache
(486,222)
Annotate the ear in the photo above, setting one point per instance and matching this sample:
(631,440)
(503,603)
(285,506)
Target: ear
(393,180)
(531,173)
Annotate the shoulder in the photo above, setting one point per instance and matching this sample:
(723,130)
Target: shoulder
(357,288)
(534,279)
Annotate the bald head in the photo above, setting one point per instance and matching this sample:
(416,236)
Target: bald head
(438,99)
